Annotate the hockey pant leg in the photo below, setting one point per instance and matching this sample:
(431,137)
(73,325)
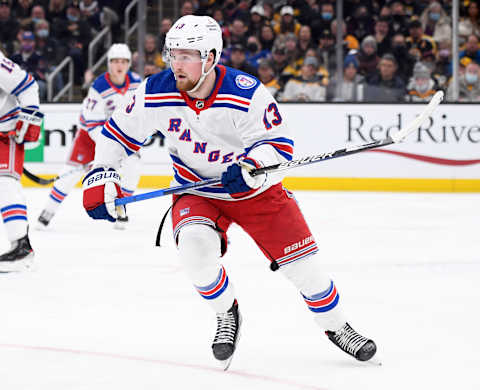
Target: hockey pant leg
(318,291)
(130,174)
(199,252)
(13,208)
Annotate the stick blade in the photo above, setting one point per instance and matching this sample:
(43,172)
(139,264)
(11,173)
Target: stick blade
(416,123)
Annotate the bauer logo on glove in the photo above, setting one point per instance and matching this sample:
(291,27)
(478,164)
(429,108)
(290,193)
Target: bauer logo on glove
(28,125)
(101,187)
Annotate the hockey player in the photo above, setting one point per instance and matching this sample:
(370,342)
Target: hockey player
(219,121)
(20,123)
(109,91)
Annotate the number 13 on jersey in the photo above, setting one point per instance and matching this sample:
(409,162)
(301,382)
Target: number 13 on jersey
(271,111)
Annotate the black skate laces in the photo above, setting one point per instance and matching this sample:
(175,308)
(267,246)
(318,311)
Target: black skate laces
(349,340)
(226,328)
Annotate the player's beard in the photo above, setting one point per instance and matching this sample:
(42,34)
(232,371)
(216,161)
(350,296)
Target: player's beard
(185,84)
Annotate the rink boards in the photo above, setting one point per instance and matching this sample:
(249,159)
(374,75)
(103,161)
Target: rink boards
(443,155)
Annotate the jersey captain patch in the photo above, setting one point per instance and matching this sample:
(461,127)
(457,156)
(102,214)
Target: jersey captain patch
(245,82)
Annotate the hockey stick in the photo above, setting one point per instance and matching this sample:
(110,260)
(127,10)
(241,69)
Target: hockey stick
(44,182)
(391,139)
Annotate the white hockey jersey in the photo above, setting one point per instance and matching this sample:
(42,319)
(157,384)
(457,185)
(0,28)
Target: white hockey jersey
(102,99)
(17,89)
(204,137)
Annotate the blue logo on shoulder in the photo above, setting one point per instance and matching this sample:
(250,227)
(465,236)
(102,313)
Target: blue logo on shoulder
(245,82)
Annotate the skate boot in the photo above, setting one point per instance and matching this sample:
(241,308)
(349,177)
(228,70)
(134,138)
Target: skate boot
(227,336)
(349,341)
(44,219)
(121,223)
(19,257)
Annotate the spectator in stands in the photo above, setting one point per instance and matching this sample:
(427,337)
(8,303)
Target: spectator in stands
(327,14)
(57,10)
(385,85)
(256,20)
(360,24)
(268,10)
(436,23)
(165,25)
(238,32)
(238,60)
(152,54)
(50,50)
(367,57)
(255,52)
(417,42)
(90,11)
(187,8)
(413,7)
(279,62)
(22,10)
(353,85)
(470,24)
(150,68)
(305,40)
(398,17)
(421,86)
(267,37)
(326,50)
(8,27)
(442,63)
(349,41)
(287,24)
(266,74)
(472,50)
(38,13)
(382,36)
(404,60)
(468,85)
(308,87)
(32,62)
(77,34)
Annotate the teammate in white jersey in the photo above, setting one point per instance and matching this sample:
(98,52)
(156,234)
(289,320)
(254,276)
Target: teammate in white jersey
(109,91)
(20,123)
(220,121)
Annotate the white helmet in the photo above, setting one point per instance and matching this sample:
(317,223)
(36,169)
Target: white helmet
(119,50)
(200,33)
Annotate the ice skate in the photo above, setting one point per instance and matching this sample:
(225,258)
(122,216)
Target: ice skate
(20,256)
(227,336)
(349,341)
(121,223)
(43,220)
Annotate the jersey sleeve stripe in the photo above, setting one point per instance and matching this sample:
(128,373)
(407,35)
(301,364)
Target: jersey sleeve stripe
(19,84)
(228,105)
(12,114)
(112,131)
(283,146)
(27,84)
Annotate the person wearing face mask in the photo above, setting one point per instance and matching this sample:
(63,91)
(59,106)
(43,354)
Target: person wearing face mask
(404,60)
(361,23)
(468,85)
(421,86)
(31,61)
(435,22)
(255,52)
(50,49)
(38,13)
(77,33)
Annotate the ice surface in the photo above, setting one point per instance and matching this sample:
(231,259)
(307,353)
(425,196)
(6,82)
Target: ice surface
(107,310)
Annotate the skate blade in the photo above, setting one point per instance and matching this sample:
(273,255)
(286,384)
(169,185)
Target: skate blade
(18,265)
(374,361)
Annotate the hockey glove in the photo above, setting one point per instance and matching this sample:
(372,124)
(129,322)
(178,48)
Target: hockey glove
(28,125)
(101,187)
(237,179)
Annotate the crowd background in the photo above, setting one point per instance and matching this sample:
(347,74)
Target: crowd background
(393,51)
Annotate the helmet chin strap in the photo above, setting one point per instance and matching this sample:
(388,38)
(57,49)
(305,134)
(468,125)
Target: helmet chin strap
(202,77)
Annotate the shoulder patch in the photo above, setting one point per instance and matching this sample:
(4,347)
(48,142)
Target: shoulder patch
(245,82)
